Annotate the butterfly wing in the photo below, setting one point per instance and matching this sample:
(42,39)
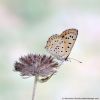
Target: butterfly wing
(69,36)
(53,45)
(60,45)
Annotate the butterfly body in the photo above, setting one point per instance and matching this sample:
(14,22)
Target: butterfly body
(61,45)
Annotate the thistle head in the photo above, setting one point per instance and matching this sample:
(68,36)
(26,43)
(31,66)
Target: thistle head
(36,65)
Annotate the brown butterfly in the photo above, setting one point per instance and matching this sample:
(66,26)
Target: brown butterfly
(60,46)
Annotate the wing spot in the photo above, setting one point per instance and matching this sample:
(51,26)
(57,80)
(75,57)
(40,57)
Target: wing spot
(68,47)
(62,36)
(69,43)
(65,33)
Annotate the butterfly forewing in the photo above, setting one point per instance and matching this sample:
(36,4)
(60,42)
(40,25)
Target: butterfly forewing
(60,45)
(69,37)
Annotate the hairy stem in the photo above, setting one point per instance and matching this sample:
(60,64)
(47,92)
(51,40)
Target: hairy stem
(34,88)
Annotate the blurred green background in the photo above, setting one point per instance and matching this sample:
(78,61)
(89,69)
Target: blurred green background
(25,26)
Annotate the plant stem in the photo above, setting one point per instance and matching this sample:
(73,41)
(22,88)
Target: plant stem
(34,88)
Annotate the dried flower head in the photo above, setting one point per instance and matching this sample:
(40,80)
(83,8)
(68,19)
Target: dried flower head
(36,65)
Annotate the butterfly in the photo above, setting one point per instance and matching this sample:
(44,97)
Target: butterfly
(60,46)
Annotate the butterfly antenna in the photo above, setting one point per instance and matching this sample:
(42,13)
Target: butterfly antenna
(76,60)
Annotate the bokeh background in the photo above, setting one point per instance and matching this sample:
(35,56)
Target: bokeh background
(25,26)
